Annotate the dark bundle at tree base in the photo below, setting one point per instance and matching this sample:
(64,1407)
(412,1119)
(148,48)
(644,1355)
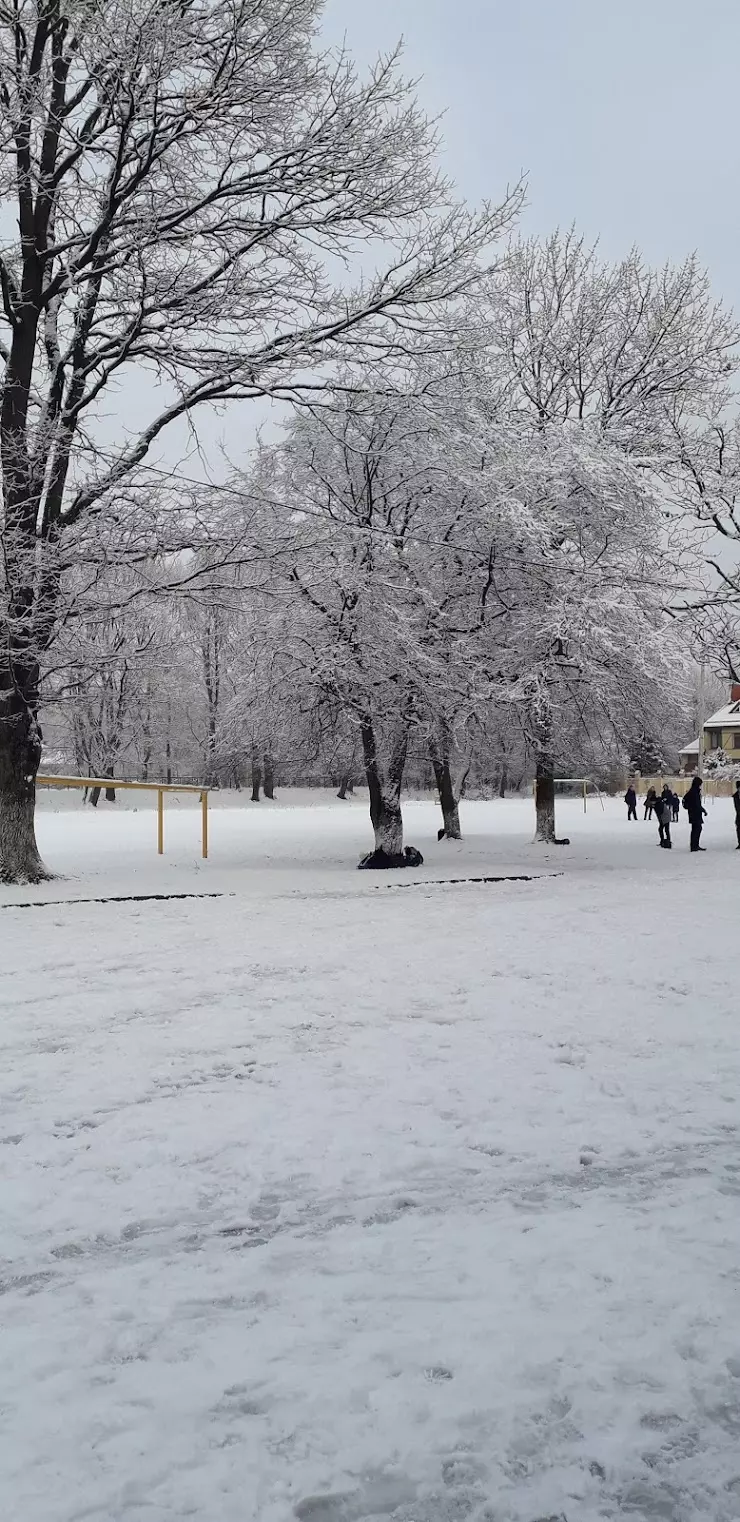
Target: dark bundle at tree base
(380,860)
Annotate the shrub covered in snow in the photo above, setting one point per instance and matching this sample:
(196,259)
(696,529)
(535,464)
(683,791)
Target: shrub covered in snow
(718,764)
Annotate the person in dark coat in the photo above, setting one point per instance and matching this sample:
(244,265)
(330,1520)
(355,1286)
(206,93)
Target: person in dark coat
(676,807)
(665,815)
(663,811)
(736,801)
(696,812)
(650,798)
(630,799)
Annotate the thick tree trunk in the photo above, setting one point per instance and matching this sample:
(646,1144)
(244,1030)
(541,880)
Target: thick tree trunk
(20,755)
(544,801)
(256,780)
(346,785)
(269,776)
(385,790)
(388,825)
(447,800)
(94,796)
(503,781)
(544,783)
(372,773)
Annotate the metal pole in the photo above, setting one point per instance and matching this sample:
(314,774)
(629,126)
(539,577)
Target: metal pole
(204,825)
(160,821)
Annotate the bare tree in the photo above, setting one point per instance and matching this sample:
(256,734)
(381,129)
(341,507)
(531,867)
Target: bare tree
(613,355)
(707,483)
(367,505)
(181,177)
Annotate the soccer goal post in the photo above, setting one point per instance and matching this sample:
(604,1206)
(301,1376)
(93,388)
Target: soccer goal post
(573,787)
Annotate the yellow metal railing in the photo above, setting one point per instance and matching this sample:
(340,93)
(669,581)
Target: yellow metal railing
(160,788)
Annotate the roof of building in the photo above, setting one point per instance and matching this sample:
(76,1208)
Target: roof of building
(690,750)
(725,718)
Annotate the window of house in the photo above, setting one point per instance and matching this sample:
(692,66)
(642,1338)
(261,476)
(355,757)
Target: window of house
(736,740)
(715,739)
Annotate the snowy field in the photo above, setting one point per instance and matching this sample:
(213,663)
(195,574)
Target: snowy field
(347,1196)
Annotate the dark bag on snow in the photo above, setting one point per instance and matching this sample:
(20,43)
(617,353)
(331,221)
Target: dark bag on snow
(379,860)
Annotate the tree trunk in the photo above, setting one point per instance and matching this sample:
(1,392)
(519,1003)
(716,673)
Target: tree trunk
(447,800)
(385,790)
(256,780)
(503,781)
(146,734)
(544,784)
(211,766)
(544,801)
(269,777)
(373,775)
(345,787)
(20,756)
(94,796)
(389,825)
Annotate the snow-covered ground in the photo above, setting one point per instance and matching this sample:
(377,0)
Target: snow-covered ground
(343,1197)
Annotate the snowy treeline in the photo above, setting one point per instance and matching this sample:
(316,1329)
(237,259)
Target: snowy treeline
(476,547)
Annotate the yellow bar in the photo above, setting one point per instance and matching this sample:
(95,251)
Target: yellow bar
(160,788)
(151,787)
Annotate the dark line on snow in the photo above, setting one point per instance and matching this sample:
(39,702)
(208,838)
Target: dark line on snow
(446,882)
(128,898)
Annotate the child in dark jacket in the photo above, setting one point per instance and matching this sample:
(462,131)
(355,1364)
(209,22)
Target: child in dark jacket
(663,811)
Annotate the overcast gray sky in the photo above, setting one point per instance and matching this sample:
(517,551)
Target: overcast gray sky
(625,114)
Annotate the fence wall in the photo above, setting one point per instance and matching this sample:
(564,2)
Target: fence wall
(712,787)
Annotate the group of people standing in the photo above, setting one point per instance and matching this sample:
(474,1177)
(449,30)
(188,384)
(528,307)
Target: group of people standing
(666,807)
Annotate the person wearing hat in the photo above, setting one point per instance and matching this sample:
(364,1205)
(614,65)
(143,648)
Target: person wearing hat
(696,812)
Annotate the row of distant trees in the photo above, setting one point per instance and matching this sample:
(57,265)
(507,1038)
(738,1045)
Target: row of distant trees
(479,538)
